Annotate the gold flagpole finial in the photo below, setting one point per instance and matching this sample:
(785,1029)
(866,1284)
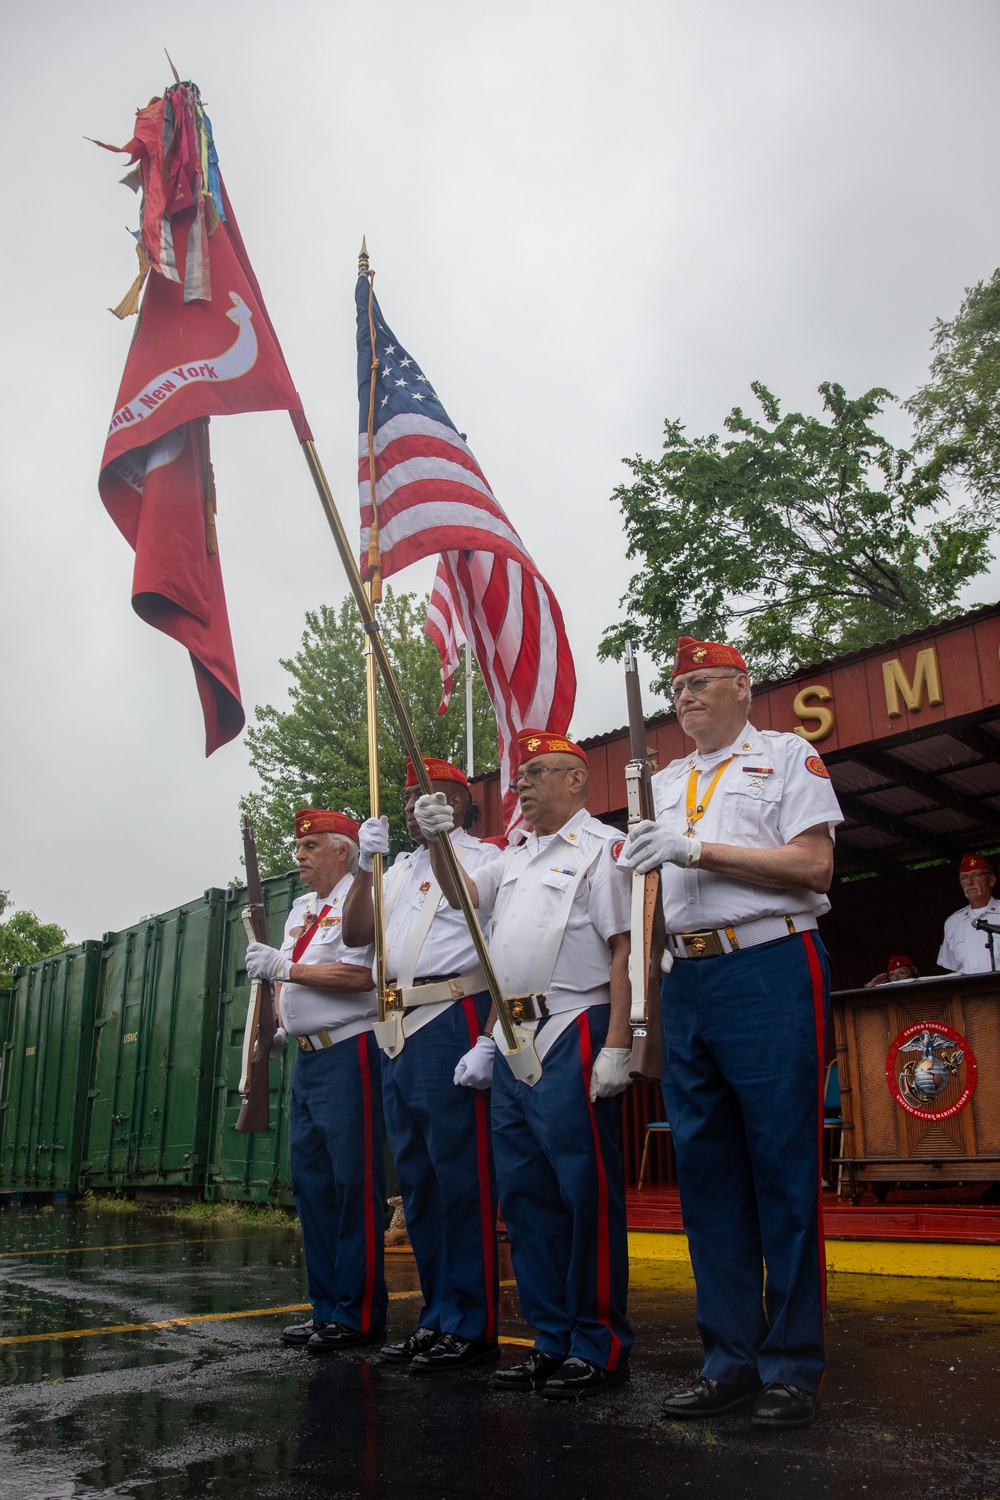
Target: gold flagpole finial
(177,76)
(363,268)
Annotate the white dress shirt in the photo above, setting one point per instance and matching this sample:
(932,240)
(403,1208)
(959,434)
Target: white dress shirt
(775,788)
(522,890)
(304,1010)
(964,950)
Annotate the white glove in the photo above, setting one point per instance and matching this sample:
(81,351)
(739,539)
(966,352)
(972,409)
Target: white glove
(433,816)
(609,1073)
(278,1045)
(267,963)
(650,845)
(475,1069)
(373,838)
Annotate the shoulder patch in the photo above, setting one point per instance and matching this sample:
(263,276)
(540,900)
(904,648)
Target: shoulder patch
(816,766)
(616,849)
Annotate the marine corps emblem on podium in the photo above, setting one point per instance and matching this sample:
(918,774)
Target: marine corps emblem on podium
(931,1070)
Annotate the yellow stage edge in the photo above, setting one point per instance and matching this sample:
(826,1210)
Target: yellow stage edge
(932,1258)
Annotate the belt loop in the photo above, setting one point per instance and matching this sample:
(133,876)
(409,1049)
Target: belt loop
(790,924)
(733,940)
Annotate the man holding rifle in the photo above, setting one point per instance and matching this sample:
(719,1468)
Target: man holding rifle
(336,1133)
(743,838)
(435,1085)
(559,910)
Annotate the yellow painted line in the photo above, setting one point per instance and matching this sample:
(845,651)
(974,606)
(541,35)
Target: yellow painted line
(957,1262)
(89,1333)
(256,1312)
(135,1245)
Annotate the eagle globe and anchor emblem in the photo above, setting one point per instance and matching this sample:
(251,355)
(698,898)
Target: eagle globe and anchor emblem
(931,1070)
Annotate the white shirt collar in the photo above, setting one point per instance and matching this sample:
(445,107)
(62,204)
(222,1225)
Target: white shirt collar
(746,741)
(569,832)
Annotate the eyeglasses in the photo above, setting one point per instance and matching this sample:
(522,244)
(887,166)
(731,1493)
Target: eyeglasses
(533,774)
(696,686)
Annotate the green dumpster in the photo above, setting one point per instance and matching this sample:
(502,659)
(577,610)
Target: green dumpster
(46,1068)
(150,1102)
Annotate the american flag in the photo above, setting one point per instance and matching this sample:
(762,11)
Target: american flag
(431,496)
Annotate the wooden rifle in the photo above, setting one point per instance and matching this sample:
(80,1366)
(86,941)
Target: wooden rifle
(648,932)
(258,1035)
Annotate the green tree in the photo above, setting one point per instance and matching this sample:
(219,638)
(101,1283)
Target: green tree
(795,539)
(957,413)
(315,754)
(23,939)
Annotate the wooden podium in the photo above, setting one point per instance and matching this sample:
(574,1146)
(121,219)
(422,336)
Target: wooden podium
(919,1066)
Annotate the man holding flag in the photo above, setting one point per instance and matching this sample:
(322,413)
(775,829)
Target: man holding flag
(437,1113)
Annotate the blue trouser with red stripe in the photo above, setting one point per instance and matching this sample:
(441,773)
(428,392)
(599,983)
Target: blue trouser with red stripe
(742,1083)
(440,1139)
(337,1137)
(562,1192)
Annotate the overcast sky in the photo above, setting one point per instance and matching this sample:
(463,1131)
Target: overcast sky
(583,218)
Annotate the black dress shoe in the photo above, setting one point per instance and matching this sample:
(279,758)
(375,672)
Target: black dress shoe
(300,1333)
(708,1398)
(577,1378)
(783,1406)
(332,1337)
(530,1375)
(419,1341)
(450,1352)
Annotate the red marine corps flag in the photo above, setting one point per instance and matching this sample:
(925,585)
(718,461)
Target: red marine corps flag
(204,346)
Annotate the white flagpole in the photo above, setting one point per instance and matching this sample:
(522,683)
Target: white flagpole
(468,709)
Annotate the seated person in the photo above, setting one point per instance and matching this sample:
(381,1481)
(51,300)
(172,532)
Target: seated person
(966,949)
(897,970)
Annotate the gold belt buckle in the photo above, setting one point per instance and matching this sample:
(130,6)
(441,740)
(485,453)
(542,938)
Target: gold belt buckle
(527,1007)
(457,987)
(305,1045)
(393,999)
(703,944)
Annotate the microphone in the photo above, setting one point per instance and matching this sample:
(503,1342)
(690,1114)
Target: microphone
(983,926)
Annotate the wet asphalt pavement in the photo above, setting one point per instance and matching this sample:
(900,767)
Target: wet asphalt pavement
(217,1407)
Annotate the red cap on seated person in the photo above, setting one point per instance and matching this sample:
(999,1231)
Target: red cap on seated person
(972,862)
(320,820)
(899,961)
(437,770)
(532,742)
(692,655)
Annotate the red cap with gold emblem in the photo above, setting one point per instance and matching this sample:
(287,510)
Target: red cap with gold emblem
(972,862)
(319,820)
(692,654)
(532,742)
(899,961)
(437,770)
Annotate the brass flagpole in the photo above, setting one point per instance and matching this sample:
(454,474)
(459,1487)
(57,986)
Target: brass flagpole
(374,593)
